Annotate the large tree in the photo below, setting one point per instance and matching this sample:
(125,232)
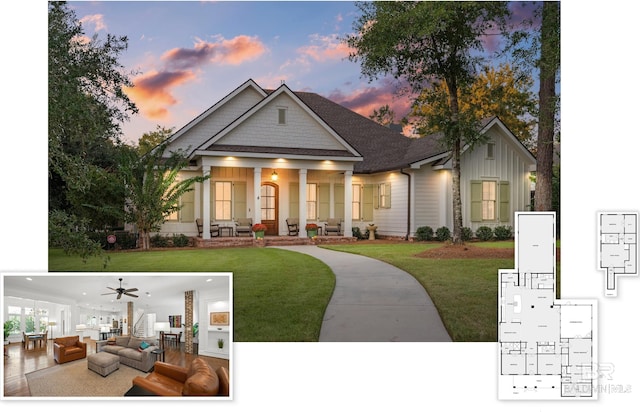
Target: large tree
(153,188)
(86,106)
(425,42)
(494,92)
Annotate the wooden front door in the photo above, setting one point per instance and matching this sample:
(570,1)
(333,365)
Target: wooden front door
(269,207)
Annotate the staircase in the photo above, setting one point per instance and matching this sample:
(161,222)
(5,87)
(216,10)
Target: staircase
(140,325)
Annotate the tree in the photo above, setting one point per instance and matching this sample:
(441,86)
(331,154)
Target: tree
(549,65)
(153,188)
(384,116)
(86,105)
(150,140)
(423,43)
(498,92)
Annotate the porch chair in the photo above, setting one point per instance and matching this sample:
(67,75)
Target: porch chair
(243,225)
(292,225)
(332,225)
(199,226)
(214,228)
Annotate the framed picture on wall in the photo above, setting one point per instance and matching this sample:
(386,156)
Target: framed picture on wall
(219,319)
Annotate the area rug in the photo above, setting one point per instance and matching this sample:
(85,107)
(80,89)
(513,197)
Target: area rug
(75,379)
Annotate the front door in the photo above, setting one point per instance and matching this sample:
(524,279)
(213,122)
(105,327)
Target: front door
(269,207)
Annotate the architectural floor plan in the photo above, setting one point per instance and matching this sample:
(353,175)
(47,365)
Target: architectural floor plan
(547,347)
(617,247)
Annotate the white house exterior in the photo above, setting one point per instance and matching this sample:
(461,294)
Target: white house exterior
(333,163)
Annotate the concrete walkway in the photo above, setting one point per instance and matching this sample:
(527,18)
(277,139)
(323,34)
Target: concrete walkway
(375,302)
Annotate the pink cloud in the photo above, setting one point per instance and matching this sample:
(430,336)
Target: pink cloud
(365,101)
(325,48)
(233,51)
(152,91)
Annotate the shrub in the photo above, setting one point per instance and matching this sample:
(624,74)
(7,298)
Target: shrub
(180,240)
(484,233)
(467,234)
(159,241)
(443,233)
(355,232)
(424,233)
(503,232)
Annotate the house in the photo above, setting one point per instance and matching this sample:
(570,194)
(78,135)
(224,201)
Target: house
(278,154)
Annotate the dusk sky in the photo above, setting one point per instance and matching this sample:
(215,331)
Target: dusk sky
(188,55)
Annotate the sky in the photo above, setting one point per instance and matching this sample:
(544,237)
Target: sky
(185,56)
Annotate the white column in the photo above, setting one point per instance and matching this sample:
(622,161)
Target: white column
(206,203)
(302,212)
(348,199)
(257,182)
(197,196)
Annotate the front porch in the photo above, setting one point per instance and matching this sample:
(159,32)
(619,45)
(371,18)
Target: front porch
(238,241)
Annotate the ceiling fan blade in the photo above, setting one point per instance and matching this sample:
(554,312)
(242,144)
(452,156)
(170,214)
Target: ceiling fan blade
(131,290)
(112,288)
(119,295)
(111,293)
(129,294)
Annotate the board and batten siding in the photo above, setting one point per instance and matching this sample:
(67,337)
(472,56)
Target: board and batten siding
(217,120)
(299,130)
(507,165)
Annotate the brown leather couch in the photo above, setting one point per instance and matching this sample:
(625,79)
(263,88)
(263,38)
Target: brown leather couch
(198,380)
(69,348)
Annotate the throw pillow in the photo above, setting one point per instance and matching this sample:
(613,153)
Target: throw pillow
(144,345)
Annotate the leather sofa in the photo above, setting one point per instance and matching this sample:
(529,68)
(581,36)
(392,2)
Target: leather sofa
(69,348)
(130,353)
(198,380)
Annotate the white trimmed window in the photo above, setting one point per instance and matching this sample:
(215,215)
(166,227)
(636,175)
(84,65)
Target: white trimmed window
(491,148)
(223,201)
(282,115)
(384,195)
(356,203)
(488,200)
(312,201)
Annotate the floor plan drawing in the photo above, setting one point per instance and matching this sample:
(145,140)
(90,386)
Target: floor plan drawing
(547,347)
(617,247)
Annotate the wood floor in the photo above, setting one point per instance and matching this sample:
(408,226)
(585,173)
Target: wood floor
(20,362)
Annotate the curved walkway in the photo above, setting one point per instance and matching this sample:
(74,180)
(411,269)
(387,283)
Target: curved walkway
(374,301)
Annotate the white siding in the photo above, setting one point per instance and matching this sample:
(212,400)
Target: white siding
(506,165)
(300,130)
(392,221)
(427,201)
(217,120)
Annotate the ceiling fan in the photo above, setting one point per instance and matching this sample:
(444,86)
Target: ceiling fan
(120,291)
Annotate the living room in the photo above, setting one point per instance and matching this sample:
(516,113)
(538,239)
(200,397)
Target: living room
(116,335)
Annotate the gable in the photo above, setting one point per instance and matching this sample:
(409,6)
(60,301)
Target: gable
(299,130)
(217,117)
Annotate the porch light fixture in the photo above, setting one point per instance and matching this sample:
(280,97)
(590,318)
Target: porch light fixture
(274,176)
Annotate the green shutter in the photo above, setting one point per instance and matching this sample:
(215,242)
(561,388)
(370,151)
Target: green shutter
(338,201)
(239,200)
(323,201)
(376,197)
(387,192)
(505,200)
(367,203)
(476,201)
(294,199)
(187,211)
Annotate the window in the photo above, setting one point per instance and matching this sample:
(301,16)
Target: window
(356,203)
(13,316)
(282,115)
(490,150)
(223,200)
(29,320)
(384,195)
(268,202)
(312,201)
(488,200)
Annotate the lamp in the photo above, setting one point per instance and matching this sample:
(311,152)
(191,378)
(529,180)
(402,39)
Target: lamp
(274,176)
(51,324)
(161,327)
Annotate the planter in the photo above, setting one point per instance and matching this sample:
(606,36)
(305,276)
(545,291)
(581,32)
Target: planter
(260,234)
(312,233)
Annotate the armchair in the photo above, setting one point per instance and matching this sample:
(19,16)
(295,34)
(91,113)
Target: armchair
(332,225)
(214,228)
(198,380)
(243,225)
(68,349)
(293,226)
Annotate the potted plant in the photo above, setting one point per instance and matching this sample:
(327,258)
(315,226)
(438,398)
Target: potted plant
(8,325)
(312,230)
(259,230)
(220,343)
(195,328)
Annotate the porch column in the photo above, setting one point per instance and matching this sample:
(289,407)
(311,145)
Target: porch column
(302,212)
(197,196)
(206,203)
(257,182)
(348,199)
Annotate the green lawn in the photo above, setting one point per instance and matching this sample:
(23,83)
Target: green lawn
(275,299)
(463,290)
